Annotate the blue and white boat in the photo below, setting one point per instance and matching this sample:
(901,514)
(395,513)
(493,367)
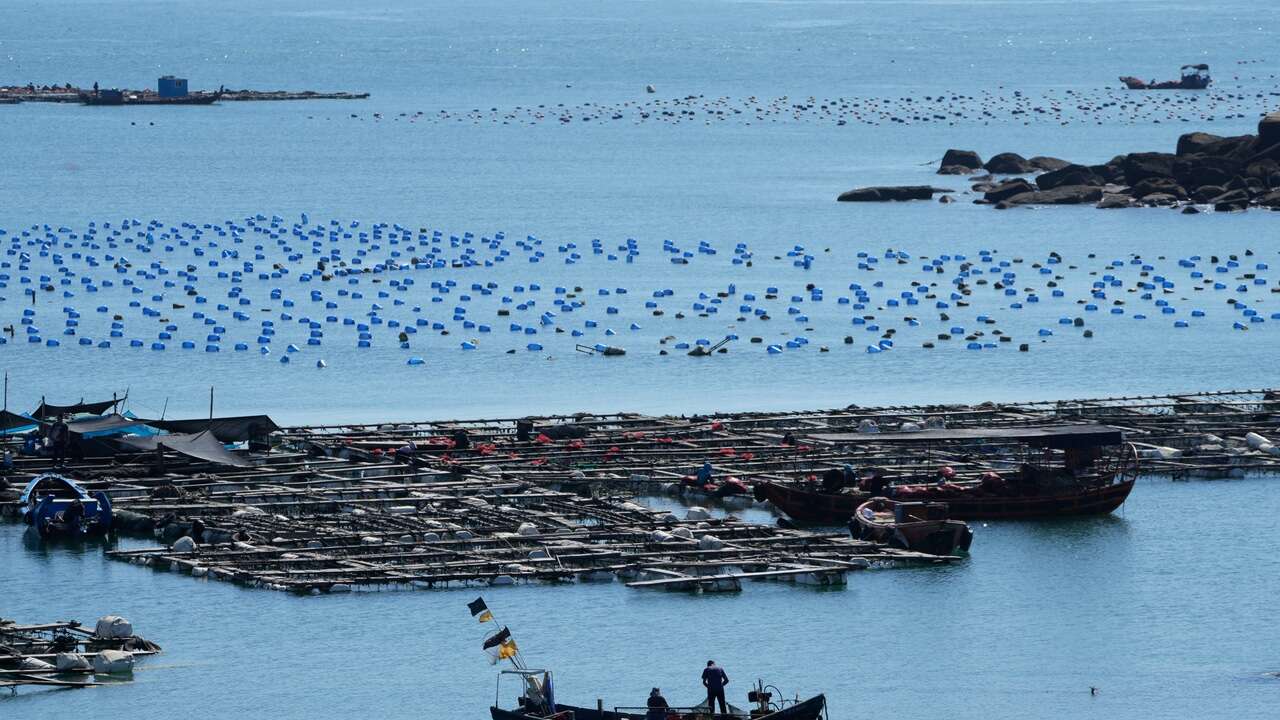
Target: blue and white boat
(57,507)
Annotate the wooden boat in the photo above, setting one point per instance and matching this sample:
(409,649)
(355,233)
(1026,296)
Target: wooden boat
(538,682)
(1073,477)
(1194,77)
(919,526)
(47,505)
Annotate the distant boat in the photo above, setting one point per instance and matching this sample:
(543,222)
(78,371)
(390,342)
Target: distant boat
(1194,77)
(45,503)
(120,97)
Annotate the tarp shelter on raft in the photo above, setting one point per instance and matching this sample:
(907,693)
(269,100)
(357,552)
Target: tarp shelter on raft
(106,425)
(13,423)
(241,428)
(201,446)
(51,412)
(1058,437)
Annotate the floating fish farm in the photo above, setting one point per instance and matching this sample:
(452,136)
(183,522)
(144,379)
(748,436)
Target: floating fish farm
(560,499)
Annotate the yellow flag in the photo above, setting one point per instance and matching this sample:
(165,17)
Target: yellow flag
(486,616)
(507,649)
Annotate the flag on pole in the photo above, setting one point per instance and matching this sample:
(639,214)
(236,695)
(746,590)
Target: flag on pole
(498,638)
(507,650)
(479,610)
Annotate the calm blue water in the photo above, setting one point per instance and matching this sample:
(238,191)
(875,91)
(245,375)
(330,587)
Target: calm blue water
(463,134)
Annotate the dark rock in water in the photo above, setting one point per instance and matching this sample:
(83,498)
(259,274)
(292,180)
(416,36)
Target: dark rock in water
(1069,175)
(1159,199)
(1263,170)
(1195,170)
(1111,172)
(1236,199)
(955,170)
(1048,164)
(1009,164)
(1140,166)
(1206,193)
(1114,202)
(1008,189)
(1152,186)
(1271,199)
(890,192)
(1190,210)
(1196,142)
(1064,195)
(961,158)
(1269,130)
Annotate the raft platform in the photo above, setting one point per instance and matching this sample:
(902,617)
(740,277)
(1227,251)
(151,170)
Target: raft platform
(337,508)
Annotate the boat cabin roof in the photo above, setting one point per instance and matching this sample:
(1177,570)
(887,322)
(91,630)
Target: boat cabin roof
(1059,437)
(51,484)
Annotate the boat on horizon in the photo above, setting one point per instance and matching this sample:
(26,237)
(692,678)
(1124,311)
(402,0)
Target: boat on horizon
(1194,77)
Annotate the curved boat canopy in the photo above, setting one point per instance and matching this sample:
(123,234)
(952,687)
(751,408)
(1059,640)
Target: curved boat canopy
(55,484)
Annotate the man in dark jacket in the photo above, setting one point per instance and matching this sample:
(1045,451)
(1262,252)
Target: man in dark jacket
(657,706)
(714,679)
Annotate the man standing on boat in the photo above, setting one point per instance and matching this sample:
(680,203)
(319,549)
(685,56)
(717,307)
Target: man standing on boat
(714,679)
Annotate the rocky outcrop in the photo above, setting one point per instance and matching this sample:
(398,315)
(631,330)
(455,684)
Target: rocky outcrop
(1269,129)
(1061,195)
(1009,164)
(959,162)
(1227,173)
(889,193)
(1048,164)
(1069,175)
(1008,189)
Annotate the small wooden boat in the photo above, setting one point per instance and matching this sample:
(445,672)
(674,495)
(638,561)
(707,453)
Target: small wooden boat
(537,703)
(57,507)
(919,526)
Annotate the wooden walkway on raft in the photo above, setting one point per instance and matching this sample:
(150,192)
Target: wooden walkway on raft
(346,507)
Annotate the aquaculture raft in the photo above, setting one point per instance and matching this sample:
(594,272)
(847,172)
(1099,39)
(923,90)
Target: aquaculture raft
(546,499)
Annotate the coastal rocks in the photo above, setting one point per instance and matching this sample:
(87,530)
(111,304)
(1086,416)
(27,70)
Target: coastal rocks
(1114,201)
(1048,164)
(1269,130)
(1140,166)
(889,193)
(1069,174)
(1196,143)
(1160,185)
(1008,189)
(1062,195)
(1009,164)
(1228,173)
(959,162)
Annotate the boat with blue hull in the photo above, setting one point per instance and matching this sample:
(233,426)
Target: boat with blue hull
(58,507)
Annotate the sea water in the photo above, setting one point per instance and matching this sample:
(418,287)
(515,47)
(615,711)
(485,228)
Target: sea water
(1161,610)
